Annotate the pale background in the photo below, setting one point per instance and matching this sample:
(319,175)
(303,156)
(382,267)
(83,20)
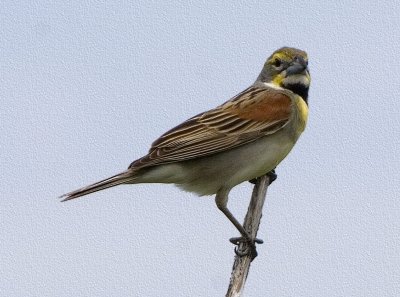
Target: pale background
(86,86)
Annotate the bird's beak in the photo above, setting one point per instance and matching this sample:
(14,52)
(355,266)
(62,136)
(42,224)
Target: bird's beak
(297,67)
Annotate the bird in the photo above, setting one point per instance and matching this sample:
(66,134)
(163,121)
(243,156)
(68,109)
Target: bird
(240,140)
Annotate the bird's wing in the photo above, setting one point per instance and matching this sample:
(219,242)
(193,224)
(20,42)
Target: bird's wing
(252,114)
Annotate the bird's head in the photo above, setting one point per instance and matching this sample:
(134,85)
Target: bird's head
(288,68)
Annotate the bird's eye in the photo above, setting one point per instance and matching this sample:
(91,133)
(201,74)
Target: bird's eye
(277,62)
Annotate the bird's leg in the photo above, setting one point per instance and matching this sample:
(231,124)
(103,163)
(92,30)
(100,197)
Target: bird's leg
(272,177)
(221,199)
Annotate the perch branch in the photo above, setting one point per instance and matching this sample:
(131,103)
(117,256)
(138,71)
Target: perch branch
(241,264)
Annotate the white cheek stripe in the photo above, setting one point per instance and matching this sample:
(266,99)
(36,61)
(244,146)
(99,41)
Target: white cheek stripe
(298,79)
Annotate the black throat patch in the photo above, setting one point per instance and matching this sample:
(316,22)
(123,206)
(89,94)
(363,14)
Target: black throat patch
(299,89)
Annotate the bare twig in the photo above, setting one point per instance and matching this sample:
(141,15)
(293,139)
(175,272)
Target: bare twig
(241,264)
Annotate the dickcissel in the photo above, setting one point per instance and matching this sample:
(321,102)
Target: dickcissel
(242,139)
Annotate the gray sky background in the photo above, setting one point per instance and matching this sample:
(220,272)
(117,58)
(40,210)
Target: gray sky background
(86,86)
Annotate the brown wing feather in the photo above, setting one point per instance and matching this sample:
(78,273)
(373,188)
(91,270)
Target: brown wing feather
(250,115)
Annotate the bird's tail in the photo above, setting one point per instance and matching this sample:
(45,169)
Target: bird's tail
(122,178)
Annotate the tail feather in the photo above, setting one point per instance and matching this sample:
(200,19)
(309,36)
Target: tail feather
(118,179)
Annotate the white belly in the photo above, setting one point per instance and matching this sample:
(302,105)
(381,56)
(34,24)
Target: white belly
(205,176)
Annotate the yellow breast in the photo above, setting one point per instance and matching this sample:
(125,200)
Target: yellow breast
(302,114)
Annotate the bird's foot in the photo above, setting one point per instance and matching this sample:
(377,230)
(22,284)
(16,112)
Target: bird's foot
(272,177)
(246,246)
